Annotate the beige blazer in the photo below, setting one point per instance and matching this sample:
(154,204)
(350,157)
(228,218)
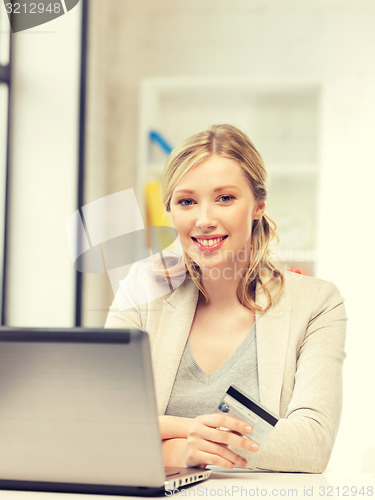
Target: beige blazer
(300,349)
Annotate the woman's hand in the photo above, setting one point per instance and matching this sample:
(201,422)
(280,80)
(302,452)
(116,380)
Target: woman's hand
(174,427)
(209,437)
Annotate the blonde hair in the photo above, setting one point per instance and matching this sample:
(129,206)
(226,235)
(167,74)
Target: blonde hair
(229,142)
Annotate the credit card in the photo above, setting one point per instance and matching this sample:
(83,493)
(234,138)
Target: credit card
(239,405)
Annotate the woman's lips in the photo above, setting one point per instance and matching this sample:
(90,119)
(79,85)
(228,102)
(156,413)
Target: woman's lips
(211,245)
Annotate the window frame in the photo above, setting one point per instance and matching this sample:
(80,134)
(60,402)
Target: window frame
(6,79)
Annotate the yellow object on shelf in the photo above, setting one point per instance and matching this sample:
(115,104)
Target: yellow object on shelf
(156,214)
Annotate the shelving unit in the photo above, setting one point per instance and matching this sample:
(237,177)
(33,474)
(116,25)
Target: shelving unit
(283,120)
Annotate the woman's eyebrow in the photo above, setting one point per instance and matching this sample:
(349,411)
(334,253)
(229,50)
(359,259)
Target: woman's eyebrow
(219,188)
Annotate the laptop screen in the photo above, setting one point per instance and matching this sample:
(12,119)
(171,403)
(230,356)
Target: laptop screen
(78,406)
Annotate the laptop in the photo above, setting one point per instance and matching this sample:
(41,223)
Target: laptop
(78,414)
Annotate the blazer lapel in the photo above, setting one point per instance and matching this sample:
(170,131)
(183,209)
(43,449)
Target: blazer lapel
(172,333)
(272,342)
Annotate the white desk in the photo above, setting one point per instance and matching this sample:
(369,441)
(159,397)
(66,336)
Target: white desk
(249,484)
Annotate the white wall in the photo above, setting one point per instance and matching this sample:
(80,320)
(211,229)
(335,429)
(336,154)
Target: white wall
(44,157)
(346,242)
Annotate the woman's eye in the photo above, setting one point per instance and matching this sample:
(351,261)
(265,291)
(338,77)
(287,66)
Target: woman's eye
(186,202)
(226,197)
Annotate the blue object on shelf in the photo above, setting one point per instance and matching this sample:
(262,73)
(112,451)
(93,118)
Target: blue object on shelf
(159,139)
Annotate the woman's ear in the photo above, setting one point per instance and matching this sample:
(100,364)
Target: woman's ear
(259,210)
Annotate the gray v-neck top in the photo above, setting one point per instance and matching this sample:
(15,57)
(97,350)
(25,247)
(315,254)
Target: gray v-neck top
(196,392)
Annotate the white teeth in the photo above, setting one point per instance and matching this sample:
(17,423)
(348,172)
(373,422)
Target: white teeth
(210,243)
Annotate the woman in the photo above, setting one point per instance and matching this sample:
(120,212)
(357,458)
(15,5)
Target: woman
(236,319)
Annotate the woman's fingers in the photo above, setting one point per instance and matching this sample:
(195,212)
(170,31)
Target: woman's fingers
(224,429)
(217,448)
(222,457)
(223,437)
(222,420)
(210,436)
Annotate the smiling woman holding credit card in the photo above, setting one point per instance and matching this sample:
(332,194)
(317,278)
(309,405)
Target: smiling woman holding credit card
(247,356)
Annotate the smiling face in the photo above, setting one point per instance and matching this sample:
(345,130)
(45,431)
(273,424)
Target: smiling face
(212,209)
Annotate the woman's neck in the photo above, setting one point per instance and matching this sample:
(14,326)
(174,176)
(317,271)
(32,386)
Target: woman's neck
(221,286)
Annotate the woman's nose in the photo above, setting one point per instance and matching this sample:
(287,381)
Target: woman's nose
(205,218)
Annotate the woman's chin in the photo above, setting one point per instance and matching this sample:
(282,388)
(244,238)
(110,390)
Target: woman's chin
(208,260)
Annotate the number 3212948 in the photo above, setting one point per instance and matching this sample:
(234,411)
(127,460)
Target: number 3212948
(346,491)
(32,8)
